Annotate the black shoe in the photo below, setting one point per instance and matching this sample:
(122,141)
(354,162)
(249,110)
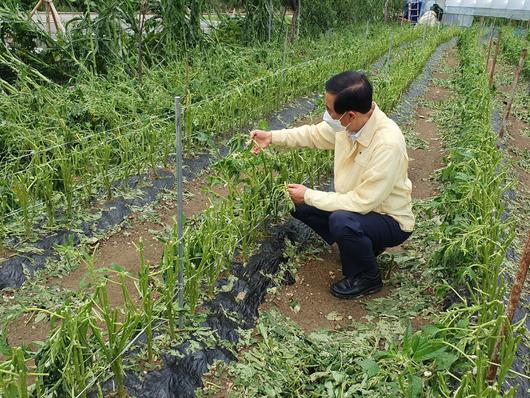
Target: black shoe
(358,286)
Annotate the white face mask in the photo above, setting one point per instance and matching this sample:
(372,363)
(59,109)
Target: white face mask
(334,124)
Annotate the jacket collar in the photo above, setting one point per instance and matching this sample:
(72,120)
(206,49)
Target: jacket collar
(369,128)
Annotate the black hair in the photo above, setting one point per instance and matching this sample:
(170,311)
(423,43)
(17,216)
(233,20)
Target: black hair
(353,92)
(438,11)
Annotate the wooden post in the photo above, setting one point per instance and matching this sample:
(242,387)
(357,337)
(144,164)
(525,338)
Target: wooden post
(56,18)
(515,296)
(522,58)
(35,9)
(299,21)
(50,11)
(492,71)
(385,11)
(48,22)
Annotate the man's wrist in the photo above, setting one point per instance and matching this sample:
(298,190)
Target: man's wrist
(307,196)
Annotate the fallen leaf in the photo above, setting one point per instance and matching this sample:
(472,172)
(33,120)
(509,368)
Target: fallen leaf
(334,316)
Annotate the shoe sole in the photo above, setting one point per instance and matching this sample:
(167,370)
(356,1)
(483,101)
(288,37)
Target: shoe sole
(368,292)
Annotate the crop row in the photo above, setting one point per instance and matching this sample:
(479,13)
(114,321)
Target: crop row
(61,159)
(90,339)
(472,239)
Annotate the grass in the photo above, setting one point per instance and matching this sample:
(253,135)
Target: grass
(285,361)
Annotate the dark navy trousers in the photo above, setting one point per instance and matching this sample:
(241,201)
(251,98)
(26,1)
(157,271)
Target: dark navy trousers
(360,237)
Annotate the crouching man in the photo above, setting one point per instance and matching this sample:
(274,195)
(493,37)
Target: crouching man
(371,208)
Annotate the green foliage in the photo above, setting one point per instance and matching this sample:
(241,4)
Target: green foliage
(291,363)
(473,238)
(255,194)
(91,147)
(512,43)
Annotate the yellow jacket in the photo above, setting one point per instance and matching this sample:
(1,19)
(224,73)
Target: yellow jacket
(370,173)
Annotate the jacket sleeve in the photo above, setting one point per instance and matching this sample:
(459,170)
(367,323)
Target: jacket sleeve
(319,136)
(377,182)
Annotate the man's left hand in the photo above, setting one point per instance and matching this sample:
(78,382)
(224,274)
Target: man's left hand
(296,192)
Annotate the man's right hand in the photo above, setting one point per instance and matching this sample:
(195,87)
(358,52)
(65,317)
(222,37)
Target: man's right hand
(262,139)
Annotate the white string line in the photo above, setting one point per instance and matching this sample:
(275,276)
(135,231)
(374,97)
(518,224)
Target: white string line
(86,149)
(11,214)
(198,104)
(37,204)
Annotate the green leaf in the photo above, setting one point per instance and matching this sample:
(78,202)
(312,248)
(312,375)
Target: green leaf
(415,386)
(444,360)
(263,331)
(430,330)
(370,367)
(338,377)
(318,375)
(117,267)
(427,350)
(263,124)
(407,338)
(41,316)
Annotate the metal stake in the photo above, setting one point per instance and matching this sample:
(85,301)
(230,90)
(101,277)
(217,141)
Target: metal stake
(179,184)
(389,55)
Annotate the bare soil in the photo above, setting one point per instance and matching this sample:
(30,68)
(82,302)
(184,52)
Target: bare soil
(119,249)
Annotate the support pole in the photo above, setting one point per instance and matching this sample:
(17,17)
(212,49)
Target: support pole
(513,303)
(48,21)
(494,62)
(51,12)
(522,58)
(35,9)
(180,211)
(56,18)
